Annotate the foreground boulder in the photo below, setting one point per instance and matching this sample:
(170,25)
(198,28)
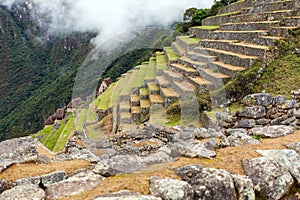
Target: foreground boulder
(272,131)
(171,189)
(295,146)
(24,192)
(18,150)
(288,159)
(244,187)
(208,183)
(77,184)
(238,137)
(270,179)
(126,194)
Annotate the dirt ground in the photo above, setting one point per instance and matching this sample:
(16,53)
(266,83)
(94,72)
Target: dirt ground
(228,159)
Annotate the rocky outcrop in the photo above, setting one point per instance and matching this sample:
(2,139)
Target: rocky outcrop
(295,146)
(24,192)
(272,131)
(237,137)
(171,189)
(270,179)
(208,183)
(18,150)
(76,184)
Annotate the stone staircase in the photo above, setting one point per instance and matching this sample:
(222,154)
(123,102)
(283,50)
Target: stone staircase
(227,44)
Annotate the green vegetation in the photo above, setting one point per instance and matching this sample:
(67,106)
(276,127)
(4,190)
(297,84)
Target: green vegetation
(207,27)
(257,137)
(161,61)
(55,139)
(173,120)
(144,92)
(171,54)
(151,69)
(227,14)
(81,119)
(189,40)
(153,87)
(103,102)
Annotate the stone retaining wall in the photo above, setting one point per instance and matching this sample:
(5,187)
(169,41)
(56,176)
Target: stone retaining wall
(262,109)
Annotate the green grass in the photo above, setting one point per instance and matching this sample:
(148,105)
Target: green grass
(91,114)
(64,136)
(52,138)
(151,69)
(103,102)
(171,54)
(281,76)
(161,61)
(214,27)
(188,40)
(153,87)
(45,132)
(118,88)
(80,121)
(173,120)
(144,92)
(226,14)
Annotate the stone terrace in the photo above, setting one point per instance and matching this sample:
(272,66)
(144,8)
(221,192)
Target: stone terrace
(227,44)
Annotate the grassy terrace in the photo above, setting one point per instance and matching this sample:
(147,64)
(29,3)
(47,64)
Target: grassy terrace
(153,87)
(55,140)
(144,92)
(226,14)
(145,104)
(118,88)
(209,28)
(171,54)
(136,80)
(161,61)
(103,102)
(188,40)
(80,119)
(151,69)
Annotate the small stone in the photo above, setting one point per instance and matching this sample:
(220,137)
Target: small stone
(238,138)
(247,123)
(280,99)
(263,121)
(3,185)
(253,112)
(261,99)
(288,104)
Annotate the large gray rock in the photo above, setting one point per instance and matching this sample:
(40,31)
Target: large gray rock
(192,149)
(272,131)
(171,189)
(77,184)
(253,112)
(238,137)
(203,133)
(208,183)
(244,187)
(126,194)
(295,146)
(3,185)
(288,159)
(288,104)
(156,158)
(19,150)
(77,154)
(270,179)
(24,192)
(261,99)
(246,123)
(45,180)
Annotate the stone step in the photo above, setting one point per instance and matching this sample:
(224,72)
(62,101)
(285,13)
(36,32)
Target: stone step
(185,70)
(292,21)
(236,47)
(259,7)
(200,82)
(170,55)
(213,75)
(178,49)
(266,40)
(135,110)
(282,31)
(264,16)
(183,87)
(187,42)
(201,57)
(172,76)
(124,107)
(237,35)
(162,81)
(192,63)
(144,93)
(229,57)
(218,19)
(153,88)
(156,99)
(145,104)
(258,2)
(169,96)
(202,32)
(233,7)
(135,100)
(161,62)
(227,69)
(249,26)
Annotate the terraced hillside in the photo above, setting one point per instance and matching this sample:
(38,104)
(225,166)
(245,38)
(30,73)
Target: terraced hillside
(174,80)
